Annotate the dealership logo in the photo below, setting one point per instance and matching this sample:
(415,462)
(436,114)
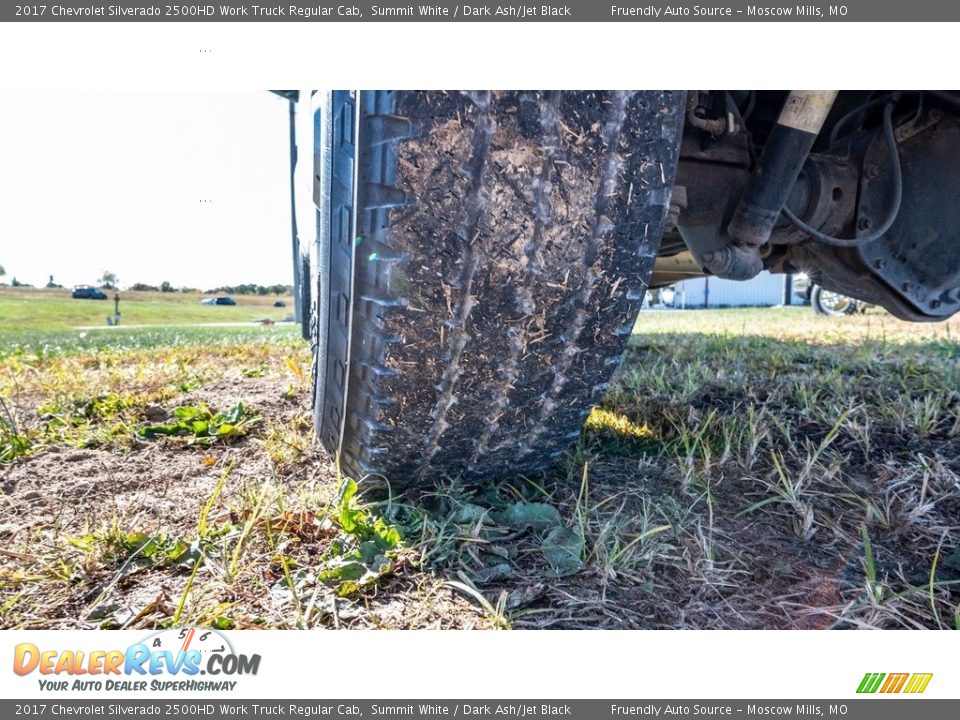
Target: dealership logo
(169,660)
(913,683)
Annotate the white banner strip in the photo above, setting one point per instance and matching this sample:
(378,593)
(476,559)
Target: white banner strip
(451,664)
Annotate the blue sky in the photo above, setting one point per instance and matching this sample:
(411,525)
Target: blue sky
(186,187)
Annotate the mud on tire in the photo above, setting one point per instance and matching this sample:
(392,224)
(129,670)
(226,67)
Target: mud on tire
(501,245)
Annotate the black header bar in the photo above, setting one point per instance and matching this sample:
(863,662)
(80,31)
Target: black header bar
(448,11)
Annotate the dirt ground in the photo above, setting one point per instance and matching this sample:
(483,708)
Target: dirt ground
(747,469)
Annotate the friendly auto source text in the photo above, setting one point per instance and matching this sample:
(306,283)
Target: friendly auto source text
(668,11)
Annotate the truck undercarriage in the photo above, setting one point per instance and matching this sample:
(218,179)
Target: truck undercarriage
(470,265)
(861,218)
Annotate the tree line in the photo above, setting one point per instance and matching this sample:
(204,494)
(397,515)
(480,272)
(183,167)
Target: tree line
(247,289)
(109,281)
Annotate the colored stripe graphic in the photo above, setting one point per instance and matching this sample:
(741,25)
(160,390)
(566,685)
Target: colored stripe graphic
(894,683)
(918,683)
(870,682)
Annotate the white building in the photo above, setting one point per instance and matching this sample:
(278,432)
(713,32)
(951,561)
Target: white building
(764,290)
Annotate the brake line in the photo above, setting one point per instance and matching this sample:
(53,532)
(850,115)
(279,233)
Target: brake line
(891,142)
(860,110)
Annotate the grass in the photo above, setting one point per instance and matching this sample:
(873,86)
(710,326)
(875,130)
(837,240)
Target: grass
(34,345)
(747,469)
(42,309)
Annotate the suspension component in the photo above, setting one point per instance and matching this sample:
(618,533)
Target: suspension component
(784,154)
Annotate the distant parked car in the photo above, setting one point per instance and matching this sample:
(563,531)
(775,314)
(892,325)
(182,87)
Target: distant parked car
(279,303)
(218,301)
(86,292)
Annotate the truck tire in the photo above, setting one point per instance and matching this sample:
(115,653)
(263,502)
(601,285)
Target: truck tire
(481,260)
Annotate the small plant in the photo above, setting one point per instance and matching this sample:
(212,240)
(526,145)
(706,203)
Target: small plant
(156,550)
(188,385)
(286,444)
(202,427)
(113,544)
(365,553)
(295,368)
(13,444)
(107,407)
(874,587)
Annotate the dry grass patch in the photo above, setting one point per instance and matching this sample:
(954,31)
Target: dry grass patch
(747,469)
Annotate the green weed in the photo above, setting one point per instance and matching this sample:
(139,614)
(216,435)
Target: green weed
(201,426)
(366,551)
(13,444)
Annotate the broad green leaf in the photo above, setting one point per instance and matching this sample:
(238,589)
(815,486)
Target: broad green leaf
(563,549)
(190,413)
(339,573)
(538,516)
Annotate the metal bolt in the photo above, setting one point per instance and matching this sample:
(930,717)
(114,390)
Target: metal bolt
(878,263)
(870,172)
(934,304)
(907,287)
(865,223)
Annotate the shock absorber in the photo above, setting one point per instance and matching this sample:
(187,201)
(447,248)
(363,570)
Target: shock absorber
(784,153)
